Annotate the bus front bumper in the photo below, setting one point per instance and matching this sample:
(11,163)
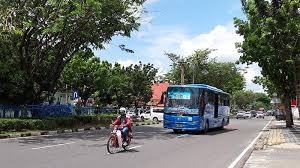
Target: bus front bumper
(183,125)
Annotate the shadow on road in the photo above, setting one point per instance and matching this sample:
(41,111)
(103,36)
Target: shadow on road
(210,132)
(218,131)
(99,138)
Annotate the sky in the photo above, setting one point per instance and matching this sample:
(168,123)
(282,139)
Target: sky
(182,26)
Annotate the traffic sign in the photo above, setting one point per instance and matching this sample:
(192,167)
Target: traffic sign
(75,95)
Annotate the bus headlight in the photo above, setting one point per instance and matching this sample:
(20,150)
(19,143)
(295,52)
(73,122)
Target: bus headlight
(194,122)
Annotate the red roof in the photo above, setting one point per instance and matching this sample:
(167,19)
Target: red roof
(158,89)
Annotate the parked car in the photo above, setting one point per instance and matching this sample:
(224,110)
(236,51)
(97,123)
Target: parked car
(248,115)
(260,115)
(155,114)
(279,115)
(240,114)
(145,115)
(130,114)
(253,113)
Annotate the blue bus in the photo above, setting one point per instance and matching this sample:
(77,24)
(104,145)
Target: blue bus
(195,107)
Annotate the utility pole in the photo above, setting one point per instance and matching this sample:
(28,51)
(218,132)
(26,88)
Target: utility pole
(193,73)
(181,64)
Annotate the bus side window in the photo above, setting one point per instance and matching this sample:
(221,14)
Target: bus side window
(226,100)
(211,98)
(202,104)
(221,100)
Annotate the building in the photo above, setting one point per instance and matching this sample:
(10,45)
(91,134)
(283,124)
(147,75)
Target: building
(157,92)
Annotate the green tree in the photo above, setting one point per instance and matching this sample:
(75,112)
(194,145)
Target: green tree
(271,38)
(86,74)
(119,86)
(243,99)
(199,69)
(248,100)
(42,37)
(141,77)
(267,84)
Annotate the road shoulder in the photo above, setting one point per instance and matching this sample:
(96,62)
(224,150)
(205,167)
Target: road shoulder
(278,147)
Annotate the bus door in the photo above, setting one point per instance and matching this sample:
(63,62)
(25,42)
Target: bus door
(202,104)
(216,110)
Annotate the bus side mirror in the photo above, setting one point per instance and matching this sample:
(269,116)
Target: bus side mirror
(162,98)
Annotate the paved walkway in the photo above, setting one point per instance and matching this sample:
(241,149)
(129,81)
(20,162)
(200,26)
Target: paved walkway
(279,147)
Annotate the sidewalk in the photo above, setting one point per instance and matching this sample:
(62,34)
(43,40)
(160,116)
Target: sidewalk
(279,147)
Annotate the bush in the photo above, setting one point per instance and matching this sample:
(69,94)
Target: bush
(55,123)
(20,124)
(107,118)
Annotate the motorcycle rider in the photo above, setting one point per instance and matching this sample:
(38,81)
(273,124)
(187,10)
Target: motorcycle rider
(126,126)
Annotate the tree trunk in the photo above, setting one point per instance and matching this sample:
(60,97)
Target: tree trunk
(288,115)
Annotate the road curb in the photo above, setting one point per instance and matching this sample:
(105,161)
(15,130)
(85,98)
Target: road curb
(41,133)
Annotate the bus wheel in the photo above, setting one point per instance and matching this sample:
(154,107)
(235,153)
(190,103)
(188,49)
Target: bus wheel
(223,123)
(206,127)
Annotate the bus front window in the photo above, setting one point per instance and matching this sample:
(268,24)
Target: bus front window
(183,98)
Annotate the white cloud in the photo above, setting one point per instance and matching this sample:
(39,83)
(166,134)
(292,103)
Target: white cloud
(174,39)
(149,2)
(250,72)
(158,41)
(222,38)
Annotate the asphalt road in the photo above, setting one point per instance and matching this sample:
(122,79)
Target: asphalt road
(153,146)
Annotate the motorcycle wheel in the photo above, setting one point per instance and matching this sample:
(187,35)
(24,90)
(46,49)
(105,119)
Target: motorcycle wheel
(112,145)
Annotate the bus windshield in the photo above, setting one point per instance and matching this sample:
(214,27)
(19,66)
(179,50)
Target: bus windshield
(183,97)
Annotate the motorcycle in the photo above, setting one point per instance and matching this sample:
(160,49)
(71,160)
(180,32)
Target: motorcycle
(115,141)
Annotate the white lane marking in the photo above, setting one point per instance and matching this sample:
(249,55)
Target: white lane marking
(134,147)
(50,146)
(28,137)
(182,136)
(233,164)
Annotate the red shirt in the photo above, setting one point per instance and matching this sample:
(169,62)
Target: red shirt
(127,122)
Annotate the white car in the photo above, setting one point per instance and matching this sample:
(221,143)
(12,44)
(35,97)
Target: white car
(248,115)
(260,115)
(240,114)
(130,114)
(156,114)
(145,115)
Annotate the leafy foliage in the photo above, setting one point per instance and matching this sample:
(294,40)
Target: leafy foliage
(39,38)
(109,84)
(248,100)
(199,69)
(271,38)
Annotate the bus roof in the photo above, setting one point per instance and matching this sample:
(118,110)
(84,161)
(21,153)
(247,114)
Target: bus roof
(201,86)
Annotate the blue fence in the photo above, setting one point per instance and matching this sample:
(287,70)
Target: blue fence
(35,111)
(43,111)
